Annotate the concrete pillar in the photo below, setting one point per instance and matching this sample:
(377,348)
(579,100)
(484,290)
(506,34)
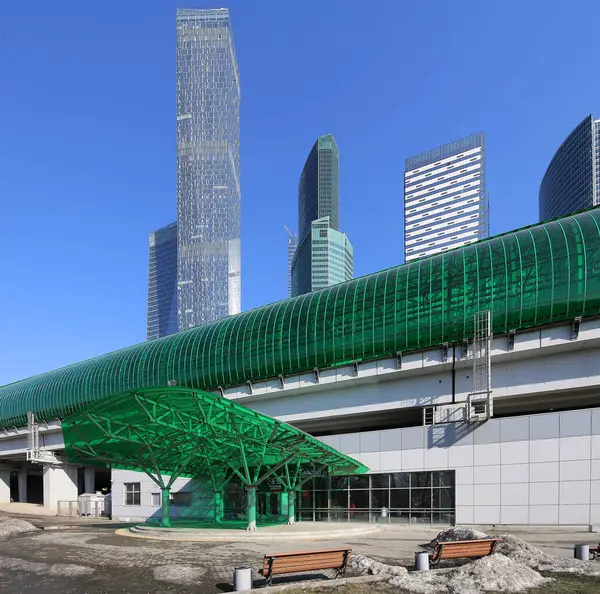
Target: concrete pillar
(251,508)
(166,507)
(23,483)
(218,506)
(291,507)
(89,479)
(4,486)
(60,484)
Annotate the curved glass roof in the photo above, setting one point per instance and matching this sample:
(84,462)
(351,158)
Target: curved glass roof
(184,432)
(530,277)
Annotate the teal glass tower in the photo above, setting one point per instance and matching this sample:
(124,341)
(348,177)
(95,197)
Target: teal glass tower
(324,255)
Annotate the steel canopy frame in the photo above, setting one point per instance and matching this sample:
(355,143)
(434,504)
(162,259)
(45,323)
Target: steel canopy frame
(181,432)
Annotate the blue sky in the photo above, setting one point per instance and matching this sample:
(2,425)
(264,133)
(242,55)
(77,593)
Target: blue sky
(87,138)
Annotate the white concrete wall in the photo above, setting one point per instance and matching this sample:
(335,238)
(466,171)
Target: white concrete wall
(4,486)
(202,497)
(535,469)
(60,484)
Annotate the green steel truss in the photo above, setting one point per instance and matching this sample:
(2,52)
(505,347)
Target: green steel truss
(184,432)
(531,277)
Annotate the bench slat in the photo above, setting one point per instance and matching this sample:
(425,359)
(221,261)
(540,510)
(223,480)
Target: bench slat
(307,559)
(302,561)
(292,553)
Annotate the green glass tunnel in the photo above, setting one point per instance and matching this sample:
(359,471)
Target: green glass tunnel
(531,277)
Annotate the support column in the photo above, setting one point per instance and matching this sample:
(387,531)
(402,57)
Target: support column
(60,484)
(4,486)
(166,507)
(218,506)
(291,496)
(89,479)
(251,508)
(283,504)
(268,504)
(23,483)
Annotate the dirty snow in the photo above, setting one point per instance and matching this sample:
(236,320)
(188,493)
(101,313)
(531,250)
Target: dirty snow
(60,569)
(10,526)
(184,575)
(368,565)
(525,553)
(495,573)
(456,534)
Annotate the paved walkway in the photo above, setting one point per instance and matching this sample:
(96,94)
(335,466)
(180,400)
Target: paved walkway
(93,558)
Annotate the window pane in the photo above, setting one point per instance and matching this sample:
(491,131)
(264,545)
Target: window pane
(443,498)
(339,482)
(420,479)
(359,499)
(339,499)
(420,498)
(155,499)
(380,498)
(181,499)
(399,479)
(359,482)
(306,499)
(321,483)
(399,498)
(320,498)
(132,493)
(443,479)
(380,481)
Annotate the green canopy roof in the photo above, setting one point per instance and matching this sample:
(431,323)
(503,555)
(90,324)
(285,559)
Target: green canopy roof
(185,432)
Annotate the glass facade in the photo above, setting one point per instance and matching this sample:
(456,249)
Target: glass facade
(446,202)
(208,168)
(162,283)
(572,181)
(324,255)
(408,497)
(528,278)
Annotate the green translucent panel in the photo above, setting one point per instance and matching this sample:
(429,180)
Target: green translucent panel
(539,275)
(184,432)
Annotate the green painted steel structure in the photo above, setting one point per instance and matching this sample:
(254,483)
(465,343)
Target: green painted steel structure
(530,277)
(184,432)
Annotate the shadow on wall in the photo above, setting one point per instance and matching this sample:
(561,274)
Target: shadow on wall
(447,434)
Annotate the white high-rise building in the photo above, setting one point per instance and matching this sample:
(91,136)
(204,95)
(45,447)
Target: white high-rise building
(445,199)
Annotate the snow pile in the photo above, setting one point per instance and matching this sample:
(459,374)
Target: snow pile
(521,551)
(453,534)
(365,564)
(60,569)
(495,573)
(10,526)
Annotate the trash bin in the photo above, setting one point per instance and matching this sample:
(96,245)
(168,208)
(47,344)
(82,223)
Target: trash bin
(242,578)
(422,561)
(582,551)
(384,512)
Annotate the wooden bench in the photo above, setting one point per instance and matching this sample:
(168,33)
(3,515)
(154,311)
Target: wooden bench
(463,549)
(299,561)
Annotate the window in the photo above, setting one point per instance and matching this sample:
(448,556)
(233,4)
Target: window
(155,499)
(132,493)
(322,232)
(181,499)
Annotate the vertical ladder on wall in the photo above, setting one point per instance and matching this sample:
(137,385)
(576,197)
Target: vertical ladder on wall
(33,438)
(481,406)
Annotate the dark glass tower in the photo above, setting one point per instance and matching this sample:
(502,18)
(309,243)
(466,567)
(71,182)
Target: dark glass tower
(162,283)
(324,255)
(572,180)
(208,168)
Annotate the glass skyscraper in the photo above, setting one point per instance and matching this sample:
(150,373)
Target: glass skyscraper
(446,203)
(324,255)
(572,180)
(291,251)
(162,283)
(208,168)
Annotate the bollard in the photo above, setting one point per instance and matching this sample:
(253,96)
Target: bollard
(582,552)
(421,561)
(242,578)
